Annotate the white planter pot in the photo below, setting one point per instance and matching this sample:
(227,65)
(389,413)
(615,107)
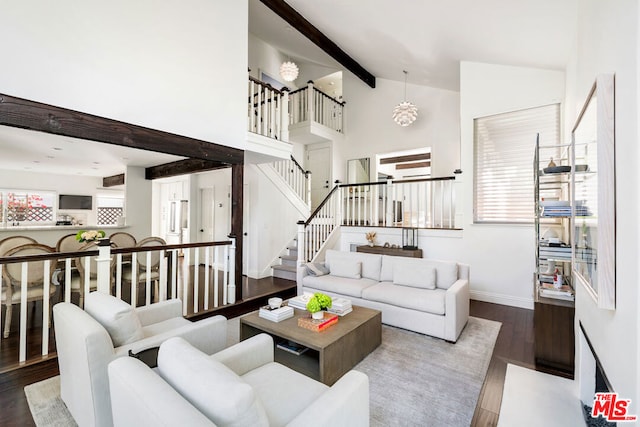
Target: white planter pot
(318,315)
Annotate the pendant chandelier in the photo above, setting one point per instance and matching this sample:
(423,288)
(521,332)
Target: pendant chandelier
(289,71)
(405,113)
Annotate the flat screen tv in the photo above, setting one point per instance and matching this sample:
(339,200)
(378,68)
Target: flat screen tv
(70,201)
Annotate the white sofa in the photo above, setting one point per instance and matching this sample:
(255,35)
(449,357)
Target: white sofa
(422,295)
(239,386)
(85,345)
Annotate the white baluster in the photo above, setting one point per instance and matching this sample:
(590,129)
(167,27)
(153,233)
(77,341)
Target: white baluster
(196,278)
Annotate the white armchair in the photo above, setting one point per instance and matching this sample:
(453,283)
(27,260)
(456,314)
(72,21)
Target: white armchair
(87,341)
(241,385)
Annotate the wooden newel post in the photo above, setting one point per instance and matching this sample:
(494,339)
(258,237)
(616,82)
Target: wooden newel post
(103,266)
(231,287)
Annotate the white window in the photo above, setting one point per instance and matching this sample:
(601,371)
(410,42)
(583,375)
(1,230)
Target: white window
(26,207)
(504,146)
(109,209)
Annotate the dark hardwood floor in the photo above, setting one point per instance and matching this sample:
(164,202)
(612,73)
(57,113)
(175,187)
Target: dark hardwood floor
(514,345)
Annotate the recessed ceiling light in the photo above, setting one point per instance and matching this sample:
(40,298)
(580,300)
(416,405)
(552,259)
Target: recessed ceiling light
(51,157)
(57,148)
(96,163)
(36,161)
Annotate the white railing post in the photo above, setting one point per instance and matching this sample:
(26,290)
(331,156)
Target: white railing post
(231,293)
(310,102)
(390,219)
(308,188)
(103,263)
(302,244)
(284,115)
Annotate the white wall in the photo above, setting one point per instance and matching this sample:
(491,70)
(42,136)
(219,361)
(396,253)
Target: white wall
(370,130)
(607,41)
(271,225)
(138,202)
(173,66)
(501,256)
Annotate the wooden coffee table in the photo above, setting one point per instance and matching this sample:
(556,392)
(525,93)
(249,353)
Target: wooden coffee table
(332,352)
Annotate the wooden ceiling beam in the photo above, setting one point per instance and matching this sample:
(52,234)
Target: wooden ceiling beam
(307,29)
(406,158)
(182,167)
(25,114)
(112,181)
(414,165)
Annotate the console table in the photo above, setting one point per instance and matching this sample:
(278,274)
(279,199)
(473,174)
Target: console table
(410,253)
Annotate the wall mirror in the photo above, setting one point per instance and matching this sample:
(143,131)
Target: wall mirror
(593,194)
(358,170)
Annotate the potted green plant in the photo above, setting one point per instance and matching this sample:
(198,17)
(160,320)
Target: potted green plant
(317,304)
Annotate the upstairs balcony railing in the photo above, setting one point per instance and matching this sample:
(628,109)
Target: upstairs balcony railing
(202,275)
(268,110)
(425,203)
(311,104)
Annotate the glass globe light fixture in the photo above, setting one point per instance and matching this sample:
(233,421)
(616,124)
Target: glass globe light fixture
(405,113)
(289,71)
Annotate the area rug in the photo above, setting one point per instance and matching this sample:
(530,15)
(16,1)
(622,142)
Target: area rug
(47,408)
(414,379)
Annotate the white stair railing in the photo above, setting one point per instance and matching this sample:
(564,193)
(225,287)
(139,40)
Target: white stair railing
(310,103)
(268,110)
(424,203)
(296,177)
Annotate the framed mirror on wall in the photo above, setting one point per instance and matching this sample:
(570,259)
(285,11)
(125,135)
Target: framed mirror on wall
(593,194)
(358,170)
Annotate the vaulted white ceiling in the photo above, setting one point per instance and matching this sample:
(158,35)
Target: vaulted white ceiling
(428,38)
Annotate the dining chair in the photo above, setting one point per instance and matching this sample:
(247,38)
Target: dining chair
(12,273)
(68,243)
(123,240)
(146,268)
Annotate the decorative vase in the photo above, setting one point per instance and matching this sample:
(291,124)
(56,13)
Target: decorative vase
(318,315)
(370,244)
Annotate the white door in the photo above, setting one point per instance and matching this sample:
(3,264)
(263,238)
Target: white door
(319,163)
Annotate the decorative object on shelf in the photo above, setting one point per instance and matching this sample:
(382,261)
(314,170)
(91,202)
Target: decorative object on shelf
(275,302)
(551,164)
(89,235)
(289,71)
(371,238)
(409,238)
(317,304)
(386,245)
(405,113)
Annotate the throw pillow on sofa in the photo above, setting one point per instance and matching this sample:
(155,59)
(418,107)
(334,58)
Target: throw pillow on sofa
(316,269)
(346,268)
(414,274)
(116,316)
(210,386)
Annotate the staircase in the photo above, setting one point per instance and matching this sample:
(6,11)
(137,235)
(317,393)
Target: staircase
(288,261)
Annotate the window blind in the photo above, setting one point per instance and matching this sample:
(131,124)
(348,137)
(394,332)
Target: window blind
(504,146)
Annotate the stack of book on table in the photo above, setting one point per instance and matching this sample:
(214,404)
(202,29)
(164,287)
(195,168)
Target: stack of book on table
(292,347)
(564,292)
(300,302)
(276,315)
(340,306)
(318,325)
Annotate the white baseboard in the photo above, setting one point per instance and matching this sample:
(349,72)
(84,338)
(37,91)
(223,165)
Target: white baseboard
(502,299)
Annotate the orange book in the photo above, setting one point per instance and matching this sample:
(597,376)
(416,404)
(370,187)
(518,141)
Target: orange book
(320,324)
